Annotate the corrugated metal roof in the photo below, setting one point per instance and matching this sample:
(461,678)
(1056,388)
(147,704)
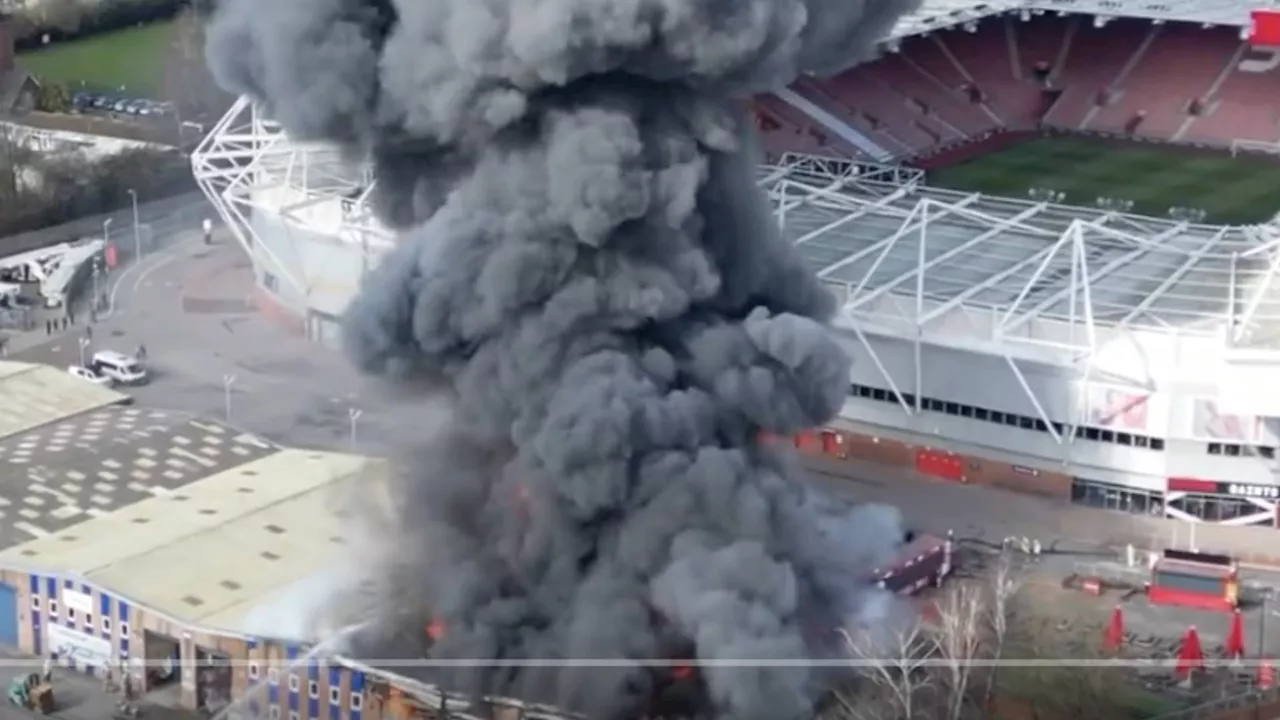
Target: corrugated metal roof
(212,551)
(34,395)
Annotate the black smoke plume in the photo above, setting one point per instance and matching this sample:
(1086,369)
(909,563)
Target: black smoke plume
(591,278)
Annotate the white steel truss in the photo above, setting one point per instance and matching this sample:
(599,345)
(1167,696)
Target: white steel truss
(247,165)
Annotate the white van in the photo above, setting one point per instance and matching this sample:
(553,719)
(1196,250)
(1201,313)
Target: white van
(122,368)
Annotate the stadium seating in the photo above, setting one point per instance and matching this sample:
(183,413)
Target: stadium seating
(931,93)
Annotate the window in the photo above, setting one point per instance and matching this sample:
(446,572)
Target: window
(124,629)
(357,701)
(274,712)
(35,603)
(254,671)
(270,282)
(335,696)
(273,676)
(1157,443)
(88,620)
(53,607)
(1215,448)
(313,689)
(293,683)
(71,614)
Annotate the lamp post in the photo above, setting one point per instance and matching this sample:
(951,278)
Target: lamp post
(106,230)
(353,415)
(137,233)
(227,382)
(84,347)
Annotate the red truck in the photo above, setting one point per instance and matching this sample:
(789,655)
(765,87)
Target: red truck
(924,561)
(1205,581)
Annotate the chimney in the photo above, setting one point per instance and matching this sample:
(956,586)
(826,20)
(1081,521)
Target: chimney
(6,43)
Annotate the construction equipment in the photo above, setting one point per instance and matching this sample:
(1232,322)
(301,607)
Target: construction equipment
(27,691)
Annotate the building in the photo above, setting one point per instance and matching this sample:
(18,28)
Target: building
(1095,355)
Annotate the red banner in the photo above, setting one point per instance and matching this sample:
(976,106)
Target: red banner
(1265,29)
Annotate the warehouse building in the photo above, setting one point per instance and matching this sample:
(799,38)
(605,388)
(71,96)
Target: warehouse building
(186,552)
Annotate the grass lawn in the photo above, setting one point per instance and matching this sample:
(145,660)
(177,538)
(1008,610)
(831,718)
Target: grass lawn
(1230,190)
(132,59)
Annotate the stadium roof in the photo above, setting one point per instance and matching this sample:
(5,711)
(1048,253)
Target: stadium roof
(877,235)
(941,14)
(211,551)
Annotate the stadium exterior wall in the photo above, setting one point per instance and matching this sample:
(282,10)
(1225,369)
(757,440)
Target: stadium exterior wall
(1158,443)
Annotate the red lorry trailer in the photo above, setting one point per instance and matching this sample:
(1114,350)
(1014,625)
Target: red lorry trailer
(1205,581)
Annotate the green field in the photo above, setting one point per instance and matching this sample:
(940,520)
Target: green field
(129,61)
(1230,190)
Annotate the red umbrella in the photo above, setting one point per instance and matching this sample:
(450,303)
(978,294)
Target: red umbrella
(1191,656)
(1113,637)
(1267,674)
(1235,638)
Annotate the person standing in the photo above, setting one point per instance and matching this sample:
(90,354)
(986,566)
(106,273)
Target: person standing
(207,227)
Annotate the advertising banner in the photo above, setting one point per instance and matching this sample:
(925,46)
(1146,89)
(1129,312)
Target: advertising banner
(1208,422)
(1119,409)
(80,648)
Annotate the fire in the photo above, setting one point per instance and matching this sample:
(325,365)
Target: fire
(435,630)
(682,671)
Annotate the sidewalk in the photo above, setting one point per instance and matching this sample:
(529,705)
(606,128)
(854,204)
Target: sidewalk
(76,696)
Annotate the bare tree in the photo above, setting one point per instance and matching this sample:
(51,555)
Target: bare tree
(957,639)
(1005,584)
(187,82)
(892,669)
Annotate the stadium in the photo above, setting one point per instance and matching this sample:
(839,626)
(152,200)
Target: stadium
(1051,226)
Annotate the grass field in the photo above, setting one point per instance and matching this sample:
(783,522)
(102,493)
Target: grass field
(131,59)
(1230,190)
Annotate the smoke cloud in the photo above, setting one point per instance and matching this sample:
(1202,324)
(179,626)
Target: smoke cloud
(590,276)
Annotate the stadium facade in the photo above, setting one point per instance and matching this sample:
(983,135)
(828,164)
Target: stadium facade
(1118,360)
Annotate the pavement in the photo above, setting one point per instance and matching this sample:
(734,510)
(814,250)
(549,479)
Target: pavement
(211,354)
(77,696)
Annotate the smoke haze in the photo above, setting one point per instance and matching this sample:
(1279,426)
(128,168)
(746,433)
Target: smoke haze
(590,277)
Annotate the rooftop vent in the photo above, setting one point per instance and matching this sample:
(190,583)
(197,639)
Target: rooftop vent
(249,473)
(230,584)
(193,601)
(141,521)
(244,490)
(274,529)
(268,555)
(208,511)
(69,538)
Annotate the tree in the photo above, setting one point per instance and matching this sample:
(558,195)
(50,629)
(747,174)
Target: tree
(53,98)
(1004,586)
(957,640)
(891,674)
(15,162)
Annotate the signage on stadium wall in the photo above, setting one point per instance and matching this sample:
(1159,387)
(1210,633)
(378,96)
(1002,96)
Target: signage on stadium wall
(1244,491)
(78,647)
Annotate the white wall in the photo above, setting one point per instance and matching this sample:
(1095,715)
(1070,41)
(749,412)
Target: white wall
(986,381)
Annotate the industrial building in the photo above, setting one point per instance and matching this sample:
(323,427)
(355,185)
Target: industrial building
(1112,359)
(179,548)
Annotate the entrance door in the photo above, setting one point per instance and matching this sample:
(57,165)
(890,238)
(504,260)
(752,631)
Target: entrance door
(8,616)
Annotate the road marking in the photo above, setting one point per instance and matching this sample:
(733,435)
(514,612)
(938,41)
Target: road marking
(153,262)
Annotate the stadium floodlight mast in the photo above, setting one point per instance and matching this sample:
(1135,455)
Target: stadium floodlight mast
(1187,214)
(1046,195)
(1113,204)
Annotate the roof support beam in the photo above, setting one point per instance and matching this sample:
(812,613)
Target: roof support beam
(850,217)
(1173,279)
(923,268)
(1103,272)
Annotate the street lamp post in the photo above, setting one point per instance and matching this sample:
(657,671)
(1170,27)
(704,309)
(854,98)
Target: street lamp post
(137,233)
(84,348)
(353,415)
(106,230)
(97,274)
(227,382)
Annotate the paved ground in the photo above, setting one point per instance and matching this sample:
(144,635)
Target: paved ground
(90,464)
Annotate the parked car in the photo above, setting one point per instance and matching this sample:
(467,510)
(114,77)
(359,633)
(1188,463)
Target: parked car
(89,375)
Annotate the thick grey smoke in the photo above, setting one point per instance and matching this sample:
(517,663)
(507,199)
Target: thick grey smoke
(590,275)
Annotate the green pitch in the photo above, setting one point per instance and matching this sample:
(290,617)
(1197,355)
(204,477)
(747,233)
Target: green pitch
(1234,191)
